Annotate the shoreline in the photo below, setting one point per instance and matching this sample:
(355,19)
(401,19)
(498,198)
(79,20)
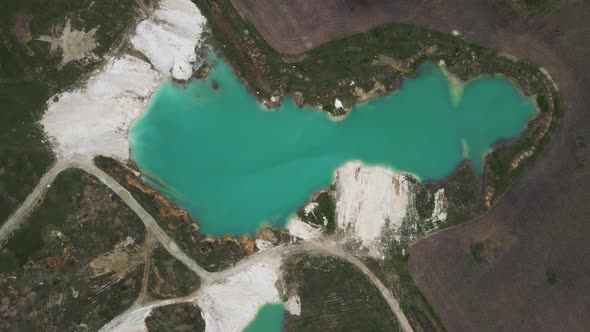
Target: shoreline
(414,72)
(461,166)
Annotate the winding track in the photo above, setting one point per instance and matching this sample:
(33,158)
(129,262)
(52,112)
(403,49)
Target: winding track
(85,164)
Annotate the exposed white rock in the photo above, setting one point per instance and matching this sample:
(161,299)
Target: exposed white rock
(370,200)
(232,304)
(263,244)
(338,104)
(302,230)
(168,39)
(439,213)
(293,305)
(309,208)
(94,120)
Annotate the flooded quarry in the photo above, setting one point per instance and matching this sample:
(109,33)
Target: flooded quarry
(236,165)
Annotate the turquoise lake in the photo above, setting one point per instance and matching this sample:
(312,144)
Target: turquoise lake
(235,166)
(270,318)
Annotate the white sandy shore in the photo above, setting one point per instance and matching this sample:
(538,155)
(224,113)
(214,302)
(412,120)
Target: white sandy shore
(231,305)
(95,119)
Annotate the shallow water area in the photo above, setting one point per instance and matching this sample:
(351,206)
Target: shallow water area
(270,318)
(236,166)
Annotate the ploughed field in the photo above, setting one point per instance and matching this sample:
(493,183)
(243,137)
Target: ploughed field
(294,27)
(522,266)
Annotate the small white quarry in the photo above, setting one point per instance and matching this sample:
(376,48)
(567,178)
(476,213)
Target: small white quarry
(95,119)
(370,200)
(232,304)
(168,39)
(439,213)
(293,305)
(303,230)
(262,245)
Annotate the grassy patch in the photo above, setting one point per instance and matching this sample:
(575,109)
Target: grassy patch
(29,238)
(477,252)
(324,215)
(551,276)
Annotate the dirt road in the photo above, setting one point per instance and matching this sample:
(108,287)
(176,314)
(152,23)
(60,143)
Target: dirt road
(138,309)
(88,166)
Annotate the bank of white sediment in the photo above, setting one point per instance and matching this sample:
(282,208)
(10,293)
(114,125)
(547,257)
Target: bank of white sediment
(168,38)
(293,305)
(371,201)
(95,119)
(232,304)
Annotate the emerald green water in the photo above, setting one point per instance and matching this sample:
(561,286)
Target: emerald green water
(236,166)
(270,318)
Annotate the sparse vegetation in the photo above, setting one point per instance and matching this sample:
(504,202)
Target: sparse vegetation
(551,276)
(58,270)
(183,317)
(168,277)
(30,73)
(334,297)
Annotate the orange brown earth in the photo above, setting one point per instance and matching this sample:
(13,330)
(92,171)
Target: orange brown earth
(533,273)
(213,254)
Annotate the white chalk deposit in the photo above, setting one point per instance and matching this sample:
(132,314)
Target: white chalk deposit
(439,213)
(302,230)
(168,39)
(95,119)
(293,305)
(232,304)
(370,200)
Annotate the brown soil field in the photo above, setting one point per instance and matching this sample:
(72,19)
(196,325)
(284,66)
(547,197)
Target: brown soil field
(537,232)
(294,27)
(534,273)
